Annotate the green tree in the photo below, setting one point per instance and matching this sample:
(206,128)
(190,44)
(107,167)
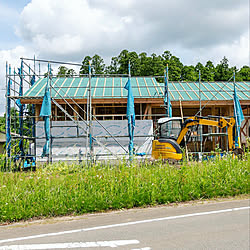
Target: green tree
(175,69)
(123,60)
(208,72)
(166,56)
(199,68)
(98,65)
(145,64)
(62,70)
(157,65)
(70,73)
(189,73)
(2,123)
(244,74)
(85,65)
(65,72)
(134,63)
(46,73)
(113,67)
(223,72)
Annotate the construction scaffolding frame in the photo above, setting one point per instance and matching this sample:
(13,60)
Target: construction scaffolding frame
(23,139)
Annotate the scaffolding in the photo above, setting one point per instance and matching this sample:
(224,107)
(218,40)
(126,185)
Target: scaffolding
(22,119)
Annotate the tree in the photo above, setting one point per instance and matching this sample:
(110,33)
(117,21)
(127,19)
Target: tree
(2,123)
(145,64)
(244,74)
(208,72)
(85,65)
(70,73)
(134,63)
(47,73)
(98,64)
(65,72)
(166,56)
(175,69)
(113,67)
(223,72)
(157,65)
(123,60)
(62,70)
(199,68)
(14,113)
(189,73)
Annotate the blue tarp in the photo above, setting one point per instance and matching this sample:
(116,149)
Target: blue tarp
(130,115)
(46,113)
(239,117)
(167,103)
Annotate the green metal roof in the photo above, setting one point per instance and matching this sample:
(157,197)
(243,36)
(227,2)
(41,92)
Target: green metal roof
(143,87)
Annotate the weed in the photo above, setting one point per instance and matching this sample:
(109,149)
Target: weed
(61,189)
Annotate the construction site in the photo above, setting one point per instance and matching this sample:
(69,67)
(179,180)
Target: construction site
(92,117)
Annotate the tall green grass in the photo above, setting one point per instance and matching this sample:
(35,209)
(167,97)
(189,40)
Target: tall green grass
(61,189)
(2,162)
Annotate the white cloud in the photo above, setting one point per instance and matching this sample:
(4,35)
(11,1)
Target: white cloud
(13,58)
(68,27)
(71,29)
(237,53)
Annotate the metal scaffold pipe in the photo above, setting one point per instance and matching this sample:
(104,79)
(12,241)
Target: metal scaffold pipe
(201,137)
(90,116)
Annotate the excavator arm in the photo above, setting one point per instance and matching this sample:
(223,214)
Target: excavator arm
(221,123)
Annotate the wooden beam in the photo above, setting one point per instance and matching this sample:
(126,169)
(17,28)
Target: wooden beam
(153,101)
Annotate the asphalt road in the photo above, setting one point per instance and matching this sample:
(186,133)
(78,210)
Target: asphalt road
(213,225)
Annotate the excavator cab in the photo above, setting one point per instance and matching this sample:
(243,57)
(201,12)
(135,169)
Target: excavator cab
(165,145)
(169,128)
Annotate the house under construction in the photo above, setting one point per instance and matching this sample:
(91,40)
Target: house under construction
(95,105)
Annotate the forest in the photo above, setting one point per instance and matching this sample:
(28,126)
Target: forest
(154,65)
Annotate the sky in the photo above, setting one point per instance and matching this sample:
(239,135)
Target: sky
(68,30)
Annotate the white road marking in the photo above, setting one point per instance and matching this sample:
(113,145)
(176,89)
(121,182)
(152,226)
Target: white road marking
(123,224)
(144,248)
(114,243)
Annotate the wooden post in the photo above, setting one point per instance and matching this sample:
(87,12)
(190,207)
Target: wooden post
(55,107)
(150,112)
(76,109)
(37,111)
(213,128)
(145,112)
(85,108)
(140,111)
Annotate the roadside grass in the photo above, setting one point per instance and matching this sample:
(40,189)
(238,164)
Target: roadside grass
(61,189)
(2,162)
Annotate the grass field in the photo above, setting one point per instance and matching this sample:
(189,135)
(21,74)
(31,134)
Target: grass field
(61,189)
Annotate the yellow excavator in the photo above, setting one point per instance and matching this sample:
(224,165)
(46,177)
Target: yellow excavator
(172,131)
